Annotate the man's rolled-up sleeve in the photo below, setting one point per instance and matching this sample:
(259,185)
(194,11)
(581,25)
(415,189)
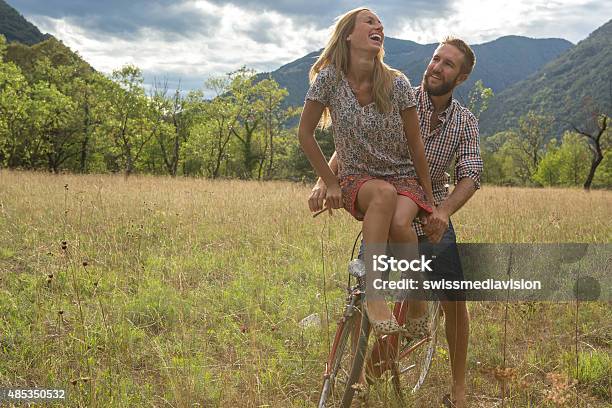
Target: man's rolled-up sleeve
(469,161)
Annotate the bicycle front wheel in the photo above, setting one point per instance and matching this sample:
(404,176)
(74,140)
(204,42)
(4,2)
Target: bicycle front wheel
(346,362)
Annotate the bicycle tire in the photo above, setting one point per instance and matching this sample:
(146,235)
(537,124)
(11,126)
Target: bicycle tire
(337,386)
(358,360)
(329,384)
(413,369)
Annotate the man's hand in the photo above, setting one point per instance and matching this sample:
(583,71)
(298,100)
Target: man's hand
(317,196)
(435,224)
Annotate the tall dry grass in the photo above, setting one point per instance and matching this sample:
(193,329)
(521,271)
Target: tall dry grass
(186,292)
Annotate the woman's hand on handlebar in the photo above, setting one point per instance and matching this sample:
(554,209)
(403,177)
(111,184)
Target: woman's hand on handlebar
(317,196)
(321,198)
(333,198)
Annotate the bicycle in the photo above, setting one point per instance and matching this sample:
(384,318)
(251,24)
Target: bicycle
(344,367)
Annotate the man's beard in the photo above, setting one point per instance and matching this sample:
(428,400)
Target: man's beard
(441,89)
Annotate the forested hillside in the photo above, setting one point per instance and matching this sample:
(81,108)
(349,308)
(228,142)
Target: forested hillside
(572,88)
(16,28)
(500,63)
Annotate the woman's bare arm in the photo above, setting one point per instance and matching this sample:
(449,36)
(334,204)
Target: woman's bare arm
(417,150)
(311,114)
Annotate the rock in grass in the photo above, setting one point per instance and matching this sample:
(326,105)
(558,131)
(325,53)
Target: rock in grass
(312,320)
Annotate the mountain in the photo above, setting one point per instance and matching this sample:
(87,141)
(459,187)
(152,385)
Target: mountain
(16,28)
(26,44)
(26,57)
(568,87)
(499,63)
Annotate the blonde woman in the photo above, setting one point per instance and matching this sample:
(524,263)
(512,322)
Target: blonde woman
(383,176)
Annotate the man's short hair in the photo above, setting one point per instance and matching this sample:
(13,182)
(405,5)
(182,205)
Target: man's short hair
(469,59)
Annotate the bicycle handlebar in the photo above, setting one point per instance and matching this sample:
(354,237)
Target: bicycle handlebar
(319,212)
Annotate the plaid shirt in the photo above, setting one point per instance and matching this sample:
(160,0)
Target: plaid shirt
(456,136)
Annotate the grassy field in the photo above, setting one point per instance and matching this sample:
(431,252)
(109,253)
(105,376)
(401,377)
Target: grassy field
(180,292)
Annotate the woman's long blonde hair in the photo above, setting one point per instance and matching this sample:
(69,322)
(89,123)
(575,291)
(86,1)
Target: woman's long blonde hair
(337,53)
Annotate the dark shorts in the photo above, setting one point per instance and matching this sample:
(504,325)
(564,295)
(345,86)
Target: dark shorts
(445,265)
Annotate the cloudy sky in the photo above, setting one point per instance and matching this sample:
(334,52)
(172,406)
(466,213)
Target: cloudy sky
(191,40)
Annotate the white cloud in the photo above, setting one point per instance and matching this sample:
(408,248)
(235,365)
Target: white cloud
(481,21)
(208,51)
(229,36)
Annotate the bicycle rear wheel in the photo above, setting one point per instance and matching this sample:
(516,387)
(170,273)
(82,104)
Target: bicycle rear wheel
(415,356)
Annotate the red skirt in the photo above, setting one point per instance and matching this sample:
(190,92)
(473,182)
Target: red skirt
(405,186)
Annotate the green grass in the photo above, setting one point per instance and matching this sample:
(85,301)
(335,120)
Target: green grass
(193,291)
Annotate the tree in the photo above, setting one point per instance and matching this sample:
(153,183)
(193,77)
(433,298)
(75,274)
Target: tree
(603,177)
(565,165)
(174,115)
(517,152)
(595,129)
(52,63)
(210,139)
(275,118)
(260,120)
(574,160)
(548,171)
(301,169)
(478,98)
(15,122)
(594,140)
(244,95)
(534,130)
(88,94)
(53,131)
(57,108)
(493,170)
(127,122)
(516,162)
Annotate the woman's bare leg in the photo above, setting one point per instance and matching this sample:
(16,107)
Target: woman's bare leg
(405,241)
(377,200)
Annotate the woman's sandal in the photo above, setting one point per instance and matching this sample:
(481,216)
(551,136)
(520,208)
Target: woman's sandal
(384,327)
(417,328)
